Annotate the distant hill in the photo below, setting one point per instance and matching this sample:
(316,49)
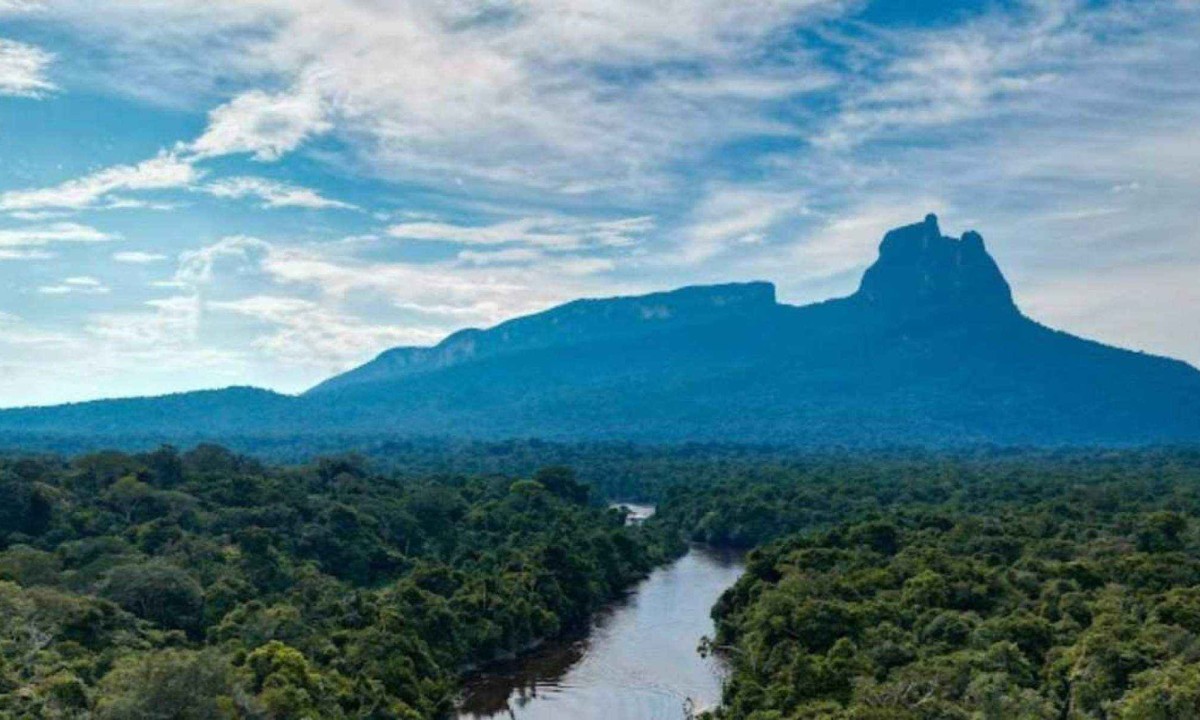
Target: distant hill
(931,350)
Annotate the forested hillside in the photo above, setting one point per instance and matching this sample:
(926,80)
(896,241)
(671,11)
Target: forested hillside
(206,585)
(1015,588)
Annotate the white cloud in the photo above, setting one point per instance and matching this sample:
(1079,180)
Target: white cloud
(505,256)
(23,69)
(196,266)
(306,333)
(37,215)
(272,194)
(530,231)
(438,296)
(77,285)
(730,216)
(549,233)
(268,308)
(581,266)
(266,126)
(466,90)
(7,254)
(1032,62)
(138,257)
(252,123)
(165,171)
(166,331)
(54,233)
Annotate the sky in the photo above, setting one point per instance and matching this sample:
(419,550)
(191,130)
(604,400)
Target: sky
(268,192)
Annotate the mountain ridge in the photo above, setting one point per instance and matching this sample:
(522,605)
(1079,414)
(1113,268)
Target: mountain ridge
(931,349)
(661,308)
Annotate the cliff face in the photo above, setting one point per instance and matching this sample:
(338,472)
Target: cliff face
(921,272)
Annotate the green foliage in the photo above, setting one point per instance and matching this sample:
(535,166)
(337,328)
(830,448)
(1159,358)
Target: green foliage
(177,684)
(207,585)
(900,585)
(1020,588)
(157,591)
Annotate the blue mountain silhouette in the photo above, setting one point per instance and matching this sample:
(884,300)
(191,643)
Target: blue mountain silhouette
(931,350)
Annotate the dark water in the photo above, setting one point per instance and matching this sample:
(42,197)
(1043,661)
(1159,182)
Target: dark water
(639,662)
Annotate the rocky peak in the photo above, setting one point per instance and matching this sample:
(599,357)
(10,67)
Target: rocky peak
(919,270)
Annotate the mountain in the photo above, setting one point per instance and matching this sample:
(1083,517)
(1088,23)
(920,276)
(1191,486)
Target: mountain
(611,320)
(930,350)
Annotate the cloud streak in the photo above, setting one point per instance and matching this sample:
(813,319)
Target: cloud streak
(273,194)
(78,285)
(24,70)
(55,233)
(138,257)
(550,233)
(165,171)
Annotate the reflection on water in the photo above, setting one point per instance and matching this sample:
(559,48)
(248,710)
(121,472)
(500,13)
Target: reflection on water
(639,662)
(638,513)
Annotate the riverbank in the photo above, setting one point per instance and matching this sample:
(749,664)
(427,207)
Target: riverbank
(638,661)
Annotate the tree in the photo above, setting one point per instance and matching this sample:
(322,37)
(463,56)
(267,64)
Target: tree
(25,507)
(562,481)
(1161,532)
(168,685)
(159,592)
(165,466)
(288,687)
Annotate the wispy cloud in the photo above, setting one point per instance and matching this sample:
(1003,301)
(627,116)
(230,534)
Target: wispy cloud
(550,233)
(138,257)
(196,267)
(730,216)
(468,89)
(23,69)
(505,256)
(9,254)
(264,125)
(54,233)
(78,285)
(1020,62)
(273,194)
(306,333)
(165,171)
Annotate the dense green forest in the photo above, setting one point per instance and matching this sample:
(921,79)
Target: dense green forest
(207,585)
(641,472)
(1021,587)
(897,585)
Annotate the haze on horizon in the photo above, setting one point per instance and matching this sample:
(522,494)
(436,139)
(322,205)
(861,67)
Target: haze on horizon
(267,192)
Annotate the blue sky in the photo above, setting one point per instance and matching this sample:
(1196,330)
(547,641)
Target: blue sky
(266,192)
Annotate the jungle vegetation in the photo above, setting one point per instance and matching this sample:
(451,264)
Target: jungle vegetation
(1014,588)
(205,584)
(897,585)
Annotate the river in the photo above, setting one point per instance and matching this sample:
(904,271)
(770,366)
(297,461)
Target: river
(638,662)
